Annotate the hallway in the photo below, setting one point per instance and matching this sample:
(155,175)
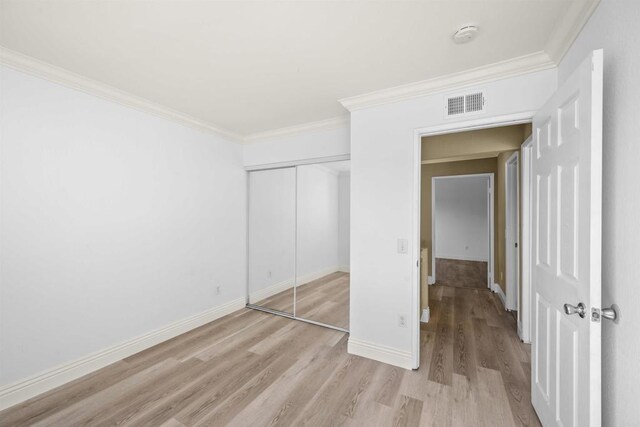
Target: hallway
(474,369)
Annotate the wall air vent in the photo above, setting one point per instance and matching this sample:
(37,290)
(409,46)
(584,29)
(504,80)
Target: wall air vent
(455,105)
(461,105)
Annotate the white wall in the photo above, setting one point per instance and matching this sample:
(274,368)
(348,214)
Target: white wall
(462,218)
(344,220)
(382,208)
(319,143)
(114,223)
(272,232)
(317,222)
(614,27)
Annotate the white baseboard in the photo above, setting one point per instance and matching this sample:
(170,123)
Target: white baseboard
(25,389)
(426,315)
(462,258)
(381,353)
(498,290)
(344,268)
(431,280)
(276,288)
(270,291)
(303,280)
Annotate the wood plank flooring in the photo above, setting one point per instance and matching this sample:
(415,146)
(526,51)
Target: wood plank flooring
(324,300)
(461,273)
(255,369)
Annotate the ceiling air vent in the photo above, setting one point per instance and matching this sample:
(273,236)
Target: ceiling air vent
(461,105)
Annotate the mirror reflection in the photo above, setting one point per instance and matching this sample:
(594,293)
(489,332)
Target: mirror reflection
(272,238)
(299,241)
(322,282)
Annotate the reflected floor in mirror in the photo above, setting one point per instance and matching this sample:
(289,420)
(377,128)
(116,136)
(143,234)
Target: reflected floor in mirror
(324,300)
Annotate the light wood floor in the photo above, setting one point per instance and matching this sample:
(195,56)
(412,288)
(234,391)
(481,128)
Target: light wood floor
(255,369)
(325,300)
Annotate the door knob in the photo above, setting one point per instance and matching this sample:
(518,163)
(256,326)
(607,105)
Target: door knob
(611,313)
(572,309)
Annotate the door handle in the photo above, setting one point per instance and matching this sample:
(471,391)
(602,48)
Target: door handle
(581,310)
(612,313)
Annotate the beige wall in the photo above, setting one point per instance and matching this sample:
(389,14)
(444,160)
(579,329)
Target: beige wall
(483,143)
(500,220)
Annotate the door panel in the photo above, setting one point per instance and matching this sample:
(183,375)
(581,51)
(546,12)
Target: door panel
(272,239)
(566,242)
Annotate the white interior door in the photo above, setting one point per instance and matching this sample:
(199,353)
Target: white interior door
(566,250)
(511,231)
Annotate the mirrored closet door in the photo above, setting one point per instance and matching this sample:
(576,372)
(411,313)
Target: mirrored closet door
(322,283)
(299,242)
(272,239)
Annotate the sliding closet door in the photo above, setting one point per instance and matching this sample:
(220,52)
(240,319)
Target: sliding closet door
(272,238)
(322,284)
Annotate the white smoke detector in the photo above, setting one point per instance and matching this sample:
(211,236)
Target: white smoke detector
(465,34)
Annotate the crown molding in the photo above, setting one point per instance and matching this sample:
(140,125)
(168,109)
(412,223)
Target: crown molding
(72,80)
(500,70)
(569,27)
(561,39)
(327,124)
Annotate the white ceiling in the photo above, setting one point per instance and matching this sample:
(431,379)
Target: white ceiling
(249,67)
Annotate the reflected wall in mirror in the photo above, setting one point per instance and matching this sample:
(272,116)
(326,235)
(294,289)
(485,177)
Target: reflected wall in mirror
(322,282)
(272,238)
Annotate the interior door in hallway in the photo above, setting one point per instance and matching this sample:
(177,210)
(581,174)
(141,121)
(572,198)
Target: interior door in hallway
(566,250)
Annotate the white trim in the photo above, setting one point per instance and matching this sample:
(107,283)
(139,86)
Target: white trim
(498,290)
(269,291)
(475,124)
(462,258)
(488,73)
(416,252)
(344,268)
(283,285)
(524,309)
(389,355)
(511,287)
(327,124)
(426,315)
(303,280)
(490,218)
(22,390)
(293,163)
(568,28)
(75,81)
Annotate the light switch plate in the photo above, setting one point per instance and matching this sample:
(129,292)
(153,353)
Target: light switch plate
(403,246)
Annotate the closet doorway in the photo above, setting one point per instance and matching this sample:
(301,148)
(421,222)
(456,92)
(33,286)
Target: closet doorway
(298,235)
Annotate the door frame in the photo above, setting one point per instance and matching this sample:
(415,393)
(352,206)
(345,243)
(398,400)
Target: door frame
(524,307)
(512,231)
(414,241)
(490,220)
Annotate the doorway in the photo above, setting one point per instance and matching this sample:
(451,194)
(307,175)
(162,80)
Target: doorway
(482,156)
(462,230)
